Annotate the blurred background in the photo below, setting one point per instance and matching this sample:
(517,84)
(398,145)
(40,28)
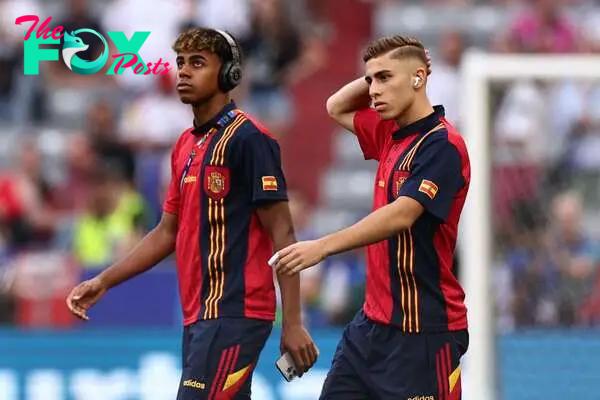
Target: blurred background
(84,166)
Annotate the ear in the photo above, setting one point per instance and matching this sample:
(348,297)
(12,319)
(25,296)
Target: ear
(416,81)
(419,78)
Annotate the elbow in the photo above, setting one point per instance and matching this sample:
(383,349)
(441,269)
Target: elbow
(332,107)
(168,238)
(167,234)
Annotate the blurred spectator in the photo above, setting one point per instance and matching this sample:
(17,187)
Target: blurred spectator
(81,161)
(17,91)
(144,129)
(443,84)
(106,229)
(106,143)
(533,281)
(79,16)
(520,124)
(543,28)
(162,19)
(575,111)
(232,16)
(26,202)
(7,297)
(553,264)
(277,55)
(573,254)
(343,286)
(41,282)
(519,129)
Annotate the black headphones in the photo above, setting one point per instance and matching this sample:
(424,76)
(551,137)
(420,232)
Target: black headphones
(231,71)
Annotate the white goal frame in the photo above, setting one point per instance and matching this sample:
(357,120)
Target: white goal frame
(478,70)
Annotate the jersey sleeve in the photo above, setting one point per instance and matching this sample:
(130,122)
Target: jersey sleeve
(261,169)
(436,177)
(372,132)
(171,203)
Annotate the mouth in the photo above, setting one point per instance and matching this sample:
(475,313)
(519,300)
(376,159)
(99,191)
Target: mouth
(379,105)
(184,86)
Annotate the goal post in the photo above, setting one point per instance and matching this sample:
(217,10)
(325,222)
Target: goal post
(478,71)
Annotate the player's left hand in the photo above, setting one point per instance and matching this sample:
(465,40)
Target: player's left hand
(296,340)
(299,256)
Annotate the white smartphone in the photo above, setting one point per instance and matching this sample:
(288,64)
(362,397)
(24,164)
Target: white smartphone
(286,366)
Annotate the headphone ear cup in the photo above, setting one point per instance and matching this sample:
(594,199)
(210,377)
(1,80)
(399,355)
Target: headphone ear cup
(234,75)
(229,76)
(223,77)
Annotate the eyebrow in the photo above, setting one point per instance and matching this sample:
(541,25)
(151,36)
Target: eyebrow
(381,72)
(192,58)
(196,57)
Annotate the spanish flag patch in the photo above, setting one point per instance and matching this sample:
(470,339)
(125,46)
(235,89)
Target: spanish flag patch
(429,188)
(269,183)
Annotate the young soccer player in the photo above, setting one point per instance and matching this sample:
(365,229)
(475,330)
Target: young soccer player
(225,212)
(407,340)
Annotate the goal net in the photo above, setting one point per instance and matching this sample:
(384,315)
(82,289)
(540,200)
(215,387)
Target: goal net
(529,243)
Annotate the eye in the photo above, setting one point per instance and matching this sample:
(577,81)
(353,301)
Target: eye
(198,63)
(179,64)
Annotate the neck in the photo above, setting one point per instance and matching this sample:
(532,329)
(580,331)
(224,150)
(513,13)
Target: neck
(420,109)
(204,112)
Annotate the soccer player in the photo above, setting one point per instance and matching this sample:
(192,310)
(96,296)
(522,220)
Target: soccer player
(226,211)
(407,340)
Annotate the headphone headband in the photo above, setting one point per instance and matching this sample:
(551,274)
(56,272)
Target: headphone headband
(235,53)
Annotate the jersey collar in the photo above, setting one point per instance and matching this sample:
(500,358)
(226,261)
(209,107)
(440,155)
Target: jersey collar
(226,115)
(421,126)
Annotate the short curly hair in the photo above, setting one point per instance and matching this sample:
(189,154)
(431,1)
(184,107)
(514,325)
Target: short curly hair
(198,39)
(403,47)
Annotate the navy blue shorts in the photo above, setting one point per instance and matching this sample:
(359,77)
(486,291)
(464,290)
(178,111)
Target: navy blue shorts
(375,361)
(219,357)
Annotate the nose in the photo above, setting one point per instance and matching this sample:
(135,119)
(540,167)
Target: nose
(183,72)
(374,91)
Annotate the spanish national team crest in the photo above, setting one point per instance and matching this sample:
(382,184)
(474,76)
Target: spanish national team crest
(216,182)
(399,178)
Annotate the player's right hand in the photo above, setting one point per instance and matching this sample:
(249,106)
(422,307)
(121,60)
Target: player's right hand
(84,296)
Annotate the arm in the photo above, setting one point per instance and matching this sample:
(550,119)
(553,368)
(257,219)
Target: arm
(263,175)
(153,248)
(377,226)
(436,179)
(344,103)
(276,219)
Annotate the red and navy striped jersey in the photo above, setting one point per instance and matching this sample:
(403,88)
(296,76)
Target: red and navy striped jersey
(411,282)
(221,172)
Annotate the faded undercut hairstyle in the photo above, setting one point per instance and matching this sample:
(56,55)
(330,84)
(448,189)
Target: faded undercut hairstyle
(402,47)
(197,39)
